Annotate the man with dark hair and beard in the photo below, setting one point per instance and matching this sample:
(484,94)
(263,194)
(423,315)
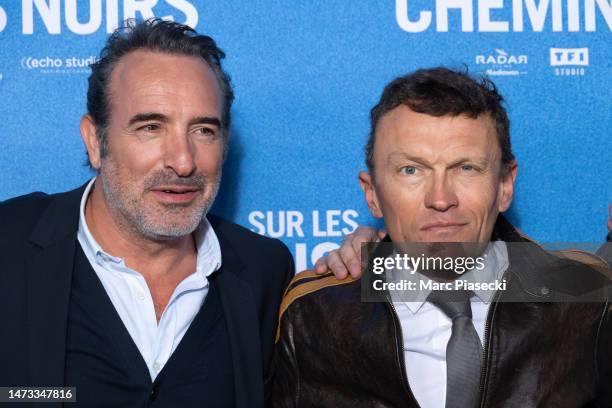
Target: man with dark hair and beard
(440,173)
(126,288)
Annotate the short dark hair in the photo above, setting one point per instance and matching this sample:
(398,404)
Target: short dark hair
(439,92)
(154,35)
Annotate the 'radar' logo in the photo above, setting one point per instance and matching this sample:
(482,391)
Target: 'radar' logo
(502,63)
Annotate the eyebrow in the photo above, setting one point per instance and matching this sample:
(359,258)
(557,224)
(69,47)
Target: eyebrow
(209,120)
(160,117)
(483,161)
(404,156)
(147,116)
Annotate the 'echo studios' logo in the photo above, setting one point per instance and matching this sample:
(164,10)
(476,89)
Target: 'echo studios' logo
(54,65)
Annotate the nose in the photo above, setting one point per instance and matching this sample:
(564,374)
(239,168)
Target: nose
(179,154)
(440,195)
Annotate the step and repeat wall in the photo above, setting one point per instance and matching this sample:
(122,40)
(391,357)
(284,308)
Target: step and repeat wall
(306,74)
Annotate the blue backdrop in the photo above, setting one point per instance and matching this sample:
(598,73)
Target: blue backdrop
(306,74)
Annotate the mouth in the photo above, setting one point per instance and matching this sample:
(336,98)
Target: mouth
(175,194)
(443,226)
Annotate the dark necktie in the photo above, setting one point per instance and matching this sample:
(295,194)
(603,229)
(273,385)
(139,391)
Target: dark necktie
(463,352)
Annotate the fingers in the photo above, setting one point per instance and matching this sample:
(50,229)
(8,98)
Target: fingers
(336,264)
(320,266)
(347,259)
(350,257)
(350,251)
(332,262)
(360,236)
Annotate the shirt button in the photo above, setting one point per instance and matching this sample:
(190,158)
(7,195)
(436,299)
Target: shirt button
(156,366)
(154,392)
(140,296)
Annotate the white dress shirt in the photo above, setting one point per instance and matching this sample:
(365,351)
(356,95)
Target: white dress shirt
(426,329)
(131,297)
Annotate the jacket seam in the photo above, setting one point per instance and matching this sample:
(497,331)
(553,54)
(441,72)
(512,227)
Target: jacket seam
(599,327)
(488,357)
(298,379)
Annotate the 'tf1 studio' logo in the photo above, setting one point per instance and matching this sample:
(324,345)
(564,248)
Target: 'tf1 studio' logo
(569,61)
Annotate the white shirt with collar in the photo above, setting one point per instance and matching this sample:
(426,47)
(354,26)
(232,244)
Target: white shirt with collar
(426,329)
(132,298)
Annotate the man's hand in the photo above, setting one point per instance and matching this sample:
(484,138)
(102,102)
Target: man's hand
(347,259)
(610,219)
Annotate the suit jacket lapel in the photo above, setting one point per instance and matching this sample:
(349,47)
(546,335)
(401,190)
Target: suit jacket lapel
(49,272)
(243,326)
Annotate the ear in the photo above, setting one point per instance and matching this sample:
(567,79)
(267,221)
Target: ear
(506,191)
(367,185)
(90,138)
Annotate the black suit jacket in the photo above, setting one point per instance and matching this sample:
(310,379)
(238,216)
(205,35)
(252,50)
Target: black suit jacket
(37,247)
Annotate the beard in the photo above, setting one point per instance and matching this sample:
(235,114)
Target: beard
(127,200)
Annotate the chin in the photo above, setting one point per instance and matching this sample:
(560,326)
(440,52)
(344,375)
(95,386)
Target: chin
(173,232)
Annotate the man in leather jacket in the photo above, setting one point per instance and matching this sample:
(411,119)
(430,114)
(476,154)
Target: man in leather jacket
(441,170)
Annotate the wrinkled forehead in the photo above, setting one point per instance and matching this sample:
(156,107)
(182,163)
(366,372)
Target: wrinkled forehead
(143,78)
(405,132)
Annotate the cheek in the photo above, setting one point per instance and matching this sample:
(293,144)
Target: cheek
(210,159)
(134,156)
(136,168)
(401,211)
(479,196)
(481,205)
(117,174)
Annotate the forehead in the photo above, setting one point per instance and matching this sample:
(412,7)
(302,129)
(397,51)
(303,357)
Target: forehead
(402,129)
(152,81)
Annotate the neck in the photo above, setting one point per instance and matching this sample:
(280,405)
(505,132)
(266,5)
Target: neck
(152,258)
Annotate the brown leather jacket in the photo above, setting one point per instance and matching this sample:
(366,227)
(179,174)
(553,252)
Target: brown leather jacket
(333,350)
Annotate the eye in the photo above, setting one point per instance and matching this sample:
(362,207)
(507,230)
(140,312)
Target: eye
(204,131)
(467,167)
(409,170)
(149,127)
